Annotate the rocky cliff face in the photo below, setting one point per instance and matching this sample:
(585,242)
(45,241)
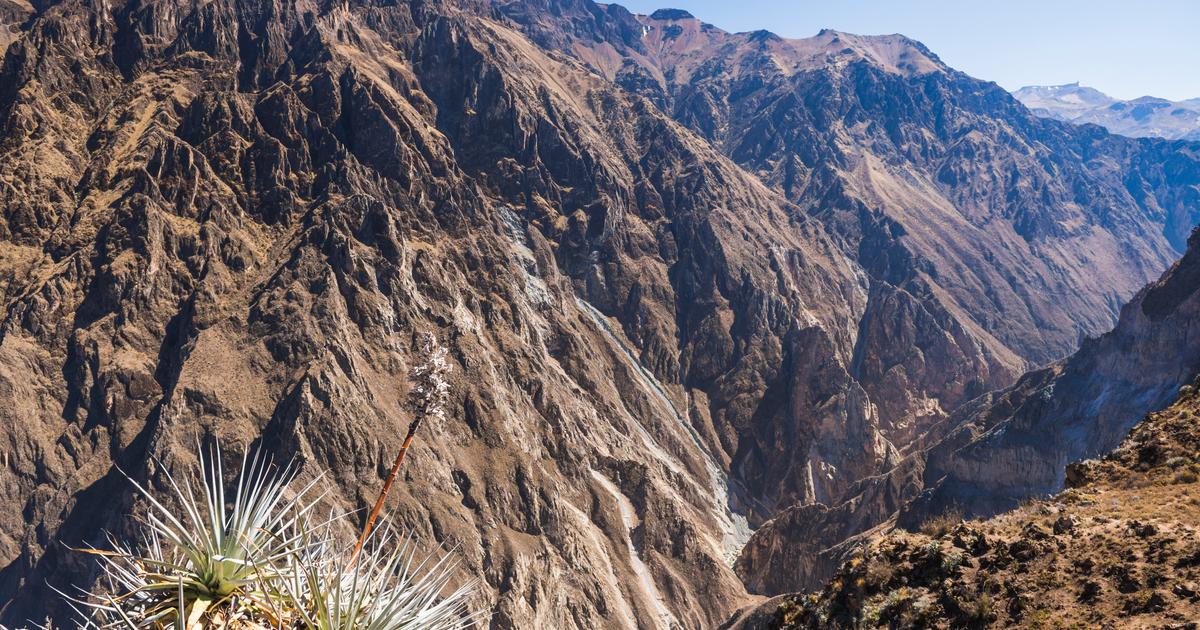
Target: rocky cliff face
(1021,442)
(1007,446)
(12,15)
(1116,548)
(230,221)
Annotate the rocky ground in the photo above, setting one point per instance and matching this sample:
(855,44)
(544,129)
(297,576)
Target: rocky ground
(1118,548)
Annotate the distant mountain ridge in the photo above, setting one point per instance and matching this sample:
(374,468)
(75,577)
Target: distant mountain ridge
(1144,117)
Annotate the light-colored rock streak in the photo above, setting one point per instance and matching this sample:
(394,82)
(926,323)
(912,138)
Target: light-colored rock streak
(644,579)
(735,529)
(534,287)
(610,577)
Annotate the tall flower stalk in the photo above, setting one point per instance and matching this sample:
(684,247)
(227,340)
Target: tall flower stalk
(430,394)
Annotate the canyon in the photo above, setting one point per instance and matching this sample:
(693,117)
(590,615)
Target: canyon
(702,291)
(1115,544)
(1009,446)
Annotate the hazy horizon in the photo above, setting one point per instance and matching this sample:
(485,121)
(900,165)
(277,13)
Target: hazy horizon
(1126,51)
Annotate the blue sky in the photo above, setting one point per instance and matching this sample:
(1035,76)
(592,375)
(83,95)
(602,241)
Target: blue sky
(1122,47)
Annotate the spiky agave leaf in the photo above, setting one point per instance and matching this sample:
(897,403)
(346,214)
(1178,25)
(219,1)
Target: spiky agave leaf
(225,548)
(258,559)
(210,555)
(389,586)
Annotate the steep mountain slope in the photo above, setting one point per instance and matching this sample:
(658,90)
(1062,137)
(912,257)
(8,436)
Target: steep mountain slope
(1017,443)
(1006,446)
(993,240)
(12,14)
(1140,118)
(1118,547)
(229,221)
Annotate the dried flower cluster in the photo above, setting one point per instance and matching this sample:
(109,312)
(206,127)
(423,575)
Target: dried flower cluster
(431,391)
(430,394)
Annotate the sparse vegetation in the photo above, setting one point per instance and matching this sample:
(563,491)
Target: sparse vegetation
(1120,544)
(254,553)
(940,525)
(979,610)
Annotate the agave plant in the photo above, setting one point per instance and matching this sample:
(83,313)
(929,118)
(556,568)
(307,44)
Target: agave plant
(216,556)
(257,558)
(387,585)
